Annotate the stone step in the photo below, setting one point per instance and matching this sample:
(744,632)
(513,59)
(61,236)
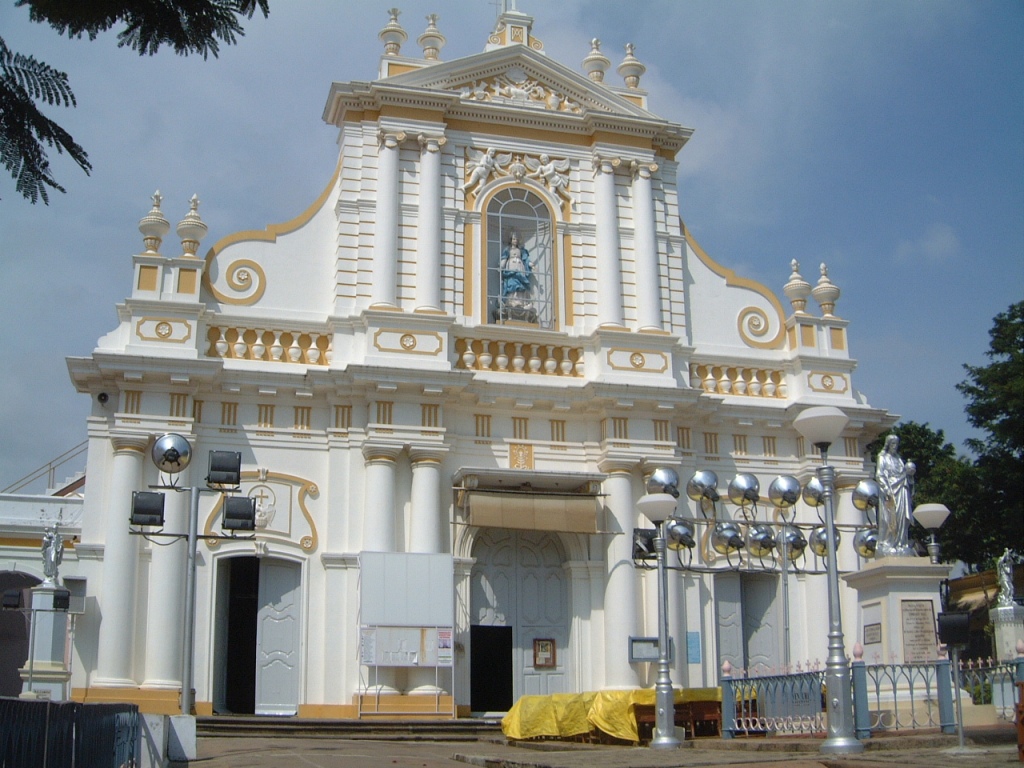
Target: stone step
(463,729)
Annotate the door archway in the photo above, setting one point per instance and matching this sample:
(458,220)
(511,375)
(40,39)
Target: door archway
(519,618)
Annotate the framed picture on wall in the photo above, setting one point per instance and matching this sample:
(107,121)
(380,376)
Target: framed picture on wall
(544,652)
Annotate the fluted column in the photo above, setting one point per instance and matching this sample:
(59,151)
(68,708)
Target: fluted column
(384,286)
(648,283)
(621,587)
(425,530)
(120,563)
(379,503)
(609,253)
(428,263)
(166,588)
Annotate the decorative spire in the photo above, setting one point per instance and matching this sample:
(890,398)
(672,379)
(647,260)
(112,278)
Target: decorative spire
(826,293)
(432,41)
(154,225)
(191,229)
(797,289)
(393,35)
(596,63)
(631,69)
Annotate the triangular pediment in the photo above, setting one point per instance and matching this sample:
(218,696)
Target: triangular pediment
(519,77)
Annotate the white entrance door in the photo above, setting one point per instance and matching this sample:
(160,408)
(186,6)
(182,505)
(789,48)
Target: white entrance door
(277,638)
(518,582)
(761,628)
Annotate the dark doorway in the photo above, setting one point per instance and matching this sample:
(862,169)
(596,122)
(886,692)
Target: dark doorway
(490,669)
(243,605)
(14,632)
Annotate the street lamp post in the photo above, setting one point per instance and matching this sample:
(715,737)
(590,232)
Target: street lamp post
(821,426)
(658,505)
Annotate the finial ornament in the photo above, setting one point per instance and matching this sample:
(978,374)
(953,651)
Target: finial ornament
(154,226)
(797,289)
(191,229)
(631,69)
(392,35)
(826,293)
(596,63)
(432,41)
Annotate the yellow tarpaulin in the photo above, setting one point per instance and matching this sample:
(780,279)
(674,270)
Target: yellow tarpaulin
(572,714)
(557,715)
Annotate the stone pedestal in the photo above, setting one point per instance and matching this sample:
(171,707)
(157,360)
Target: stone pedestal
(1008,626)
(897,605)
(46,674)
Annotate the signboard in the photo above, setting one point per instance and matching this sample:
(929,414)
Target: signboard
(646,649)
(919,638)
(406,646)
(693,647)
(872,634)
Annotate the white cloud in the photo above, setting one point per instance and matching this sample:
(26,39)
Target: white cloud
(938,245)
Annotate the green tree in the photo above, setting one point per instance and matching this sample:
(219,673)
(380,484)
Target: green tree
(187,26)
(995,394)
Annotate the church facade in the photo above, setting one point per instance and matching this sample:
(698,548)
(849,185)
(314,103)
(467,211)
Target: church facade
(448,380)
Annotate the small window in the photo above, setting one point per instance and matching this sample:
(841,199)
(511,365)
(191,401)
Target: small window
(519,259)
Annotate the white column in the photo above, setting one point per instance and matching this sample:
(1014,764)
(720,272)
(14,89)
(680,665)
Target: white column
(384,285)
(379,532)
(609,254)
(426,533)
(379,499)
(120,563)
(648,283)
(428,263)
(166,595)
(620,594)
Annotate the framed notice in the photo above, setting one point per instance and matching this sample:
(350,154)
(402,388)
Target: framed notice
(544,653)
(920,640)
(872,634)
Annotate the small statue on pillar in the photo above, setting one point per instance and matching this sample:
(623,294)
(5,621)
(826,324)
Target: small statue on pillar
(53,553)
(1004,574)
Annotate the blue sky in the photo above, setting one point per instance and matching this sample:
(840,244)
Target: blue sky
(884,138)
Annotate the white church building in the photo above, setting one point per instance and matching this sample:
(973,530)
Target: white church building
(448,380)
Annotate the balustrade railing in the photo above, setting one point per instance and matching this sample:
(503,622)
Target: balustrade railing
(518,357)
(276,346)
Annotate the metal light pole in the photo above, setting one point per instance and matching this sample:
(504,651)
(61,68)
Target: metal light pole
(821,426)
(188,640)
(658,505)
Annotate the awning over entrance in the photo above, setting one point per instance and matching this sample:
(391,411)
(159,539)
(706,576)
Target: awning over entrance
(530,500)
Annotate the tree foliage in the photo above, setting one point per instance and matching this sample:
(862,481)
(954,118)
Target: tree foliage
(986,494)
(24,129)
(186,26)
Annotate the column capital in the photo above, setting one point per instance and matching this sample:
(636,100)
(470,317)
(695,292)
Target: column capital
(129,443)
(391,140)
(431,143)
(643,170)
(424,454)
(612,466)
(605,164)
(376,453)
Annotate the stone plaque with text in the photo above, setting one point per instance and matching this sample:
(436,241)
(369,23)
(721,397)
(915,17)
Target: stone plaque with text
(919,637)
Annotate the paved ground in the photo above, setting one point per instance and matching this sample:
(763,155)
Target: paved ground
(912,751)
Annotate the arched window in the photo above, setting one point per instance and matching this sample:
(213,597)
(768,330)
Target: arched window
(519,259)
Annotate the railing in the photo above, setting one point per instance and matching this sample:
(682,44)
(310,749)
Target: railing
(989,682)
(886,697)
(67,734)
(48,470)
(778,704)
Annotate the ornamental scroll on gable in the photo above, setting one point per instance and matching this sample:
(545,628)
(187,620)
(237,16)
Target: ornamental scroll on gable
(282,511)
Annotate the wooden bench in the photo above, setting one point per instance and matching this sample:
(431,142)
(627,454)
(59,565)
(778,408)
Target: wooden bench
(698,718)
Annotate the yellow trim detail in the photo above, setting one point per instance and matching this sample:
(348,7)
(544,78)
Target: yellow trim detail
(148,274)
(731,279)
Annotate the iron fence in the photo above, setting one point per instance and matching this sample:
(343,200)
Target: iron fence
(68,734)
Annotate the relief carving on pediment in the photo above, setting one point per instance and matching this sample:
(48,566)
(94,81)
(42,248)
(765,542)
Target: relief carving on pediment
(517,87)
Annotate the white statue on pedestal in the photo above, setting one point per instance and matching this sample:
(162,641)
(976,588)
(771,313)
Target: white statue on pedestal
(53,553)
(1004,573)
(896,481)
